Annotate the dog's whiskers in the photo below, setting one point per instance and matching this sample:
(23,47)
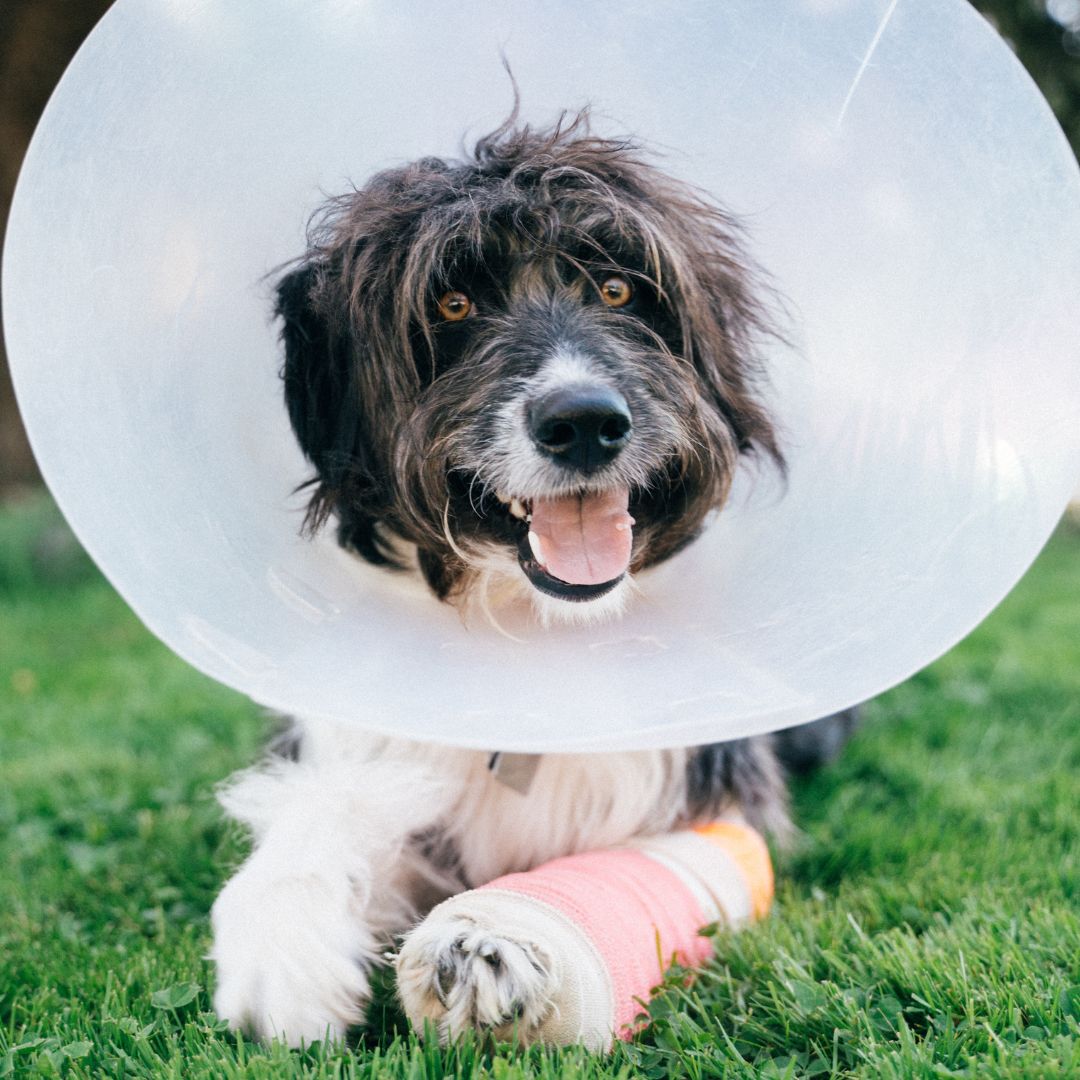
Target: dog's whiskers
(448,534)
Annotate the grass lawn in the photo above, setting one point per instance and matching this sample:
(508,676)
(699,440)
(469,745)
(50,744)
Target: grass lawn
(928,924)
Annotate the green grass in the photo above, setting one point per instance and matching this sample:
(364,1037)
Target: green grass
(927,925)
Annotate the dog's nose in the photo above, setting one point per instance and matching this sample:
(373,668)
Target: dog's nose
(582,427)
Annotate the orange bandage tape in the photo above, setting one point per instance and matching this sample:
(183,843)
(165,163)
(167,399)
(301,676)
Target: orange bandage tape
(748,849)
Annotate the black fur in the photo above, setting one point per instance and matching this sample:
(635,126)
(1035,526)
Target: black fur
(809,746)
(742,773)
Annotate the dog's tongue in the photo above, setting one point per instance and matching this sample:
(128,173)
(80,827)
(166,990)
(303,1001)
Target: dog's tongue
(583,539)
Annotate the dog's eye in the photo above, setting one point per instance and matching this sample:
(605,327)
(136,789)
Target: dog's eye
(616,291)
(455,306)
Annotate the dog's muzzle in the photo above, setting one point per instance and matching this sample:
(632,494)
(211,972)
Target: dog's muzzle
(577,547)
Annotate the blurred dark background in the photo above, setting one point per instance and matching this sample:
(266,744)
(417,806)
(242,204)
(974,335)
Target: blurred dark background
(39,37)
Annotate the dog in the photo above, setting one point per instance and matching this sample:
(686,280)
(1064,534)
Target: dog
(529,375)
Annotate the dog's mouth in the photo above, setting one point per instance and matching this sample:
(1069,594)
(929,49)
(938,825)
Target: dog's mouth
(573,547)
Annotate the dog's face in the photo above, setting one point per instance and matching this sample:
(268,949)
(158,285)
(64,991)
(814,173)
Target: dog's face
(535,364)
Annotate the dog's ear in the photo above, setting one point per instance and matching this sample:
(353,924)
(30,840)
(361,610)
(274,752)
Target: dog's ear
(322,395)
(727,323)
(315,375)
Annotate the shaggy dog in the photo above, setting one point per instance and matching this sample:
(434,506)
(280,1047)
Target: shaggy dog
(530,374)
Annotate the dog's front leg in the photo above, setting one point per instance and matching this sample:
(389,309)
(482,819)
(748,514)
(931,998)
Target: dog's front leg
(299,926)
(565,953)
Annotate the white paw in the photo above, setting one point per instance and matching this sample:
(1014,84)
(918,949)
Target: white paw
(458,973)
(291,959)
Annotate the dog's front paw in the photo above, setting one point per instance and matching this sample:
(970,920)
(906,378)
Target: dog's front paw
(457,970)
(499,961)
(291,959)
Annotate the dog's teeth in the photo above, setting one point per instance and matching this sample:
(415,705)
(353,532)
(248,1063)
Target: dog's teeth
(517,508)
(502,496)
(537,549)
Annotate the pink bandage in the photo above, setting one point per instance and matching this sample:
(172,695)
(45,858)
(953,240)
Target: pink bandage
(637,913)
(625,914)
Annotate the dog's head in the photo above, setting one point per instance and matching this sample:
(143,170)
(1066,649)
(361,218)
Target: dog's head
(537,363)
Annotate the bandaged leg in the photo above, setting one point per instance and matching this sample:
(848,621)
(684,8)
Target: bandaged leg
(567,952)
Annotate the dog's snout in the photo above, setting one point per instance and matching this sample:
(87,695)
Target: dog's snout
(582,427)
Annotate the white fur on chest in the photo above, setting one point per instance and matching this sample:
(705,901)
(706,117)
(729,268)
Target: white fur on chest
(575,801)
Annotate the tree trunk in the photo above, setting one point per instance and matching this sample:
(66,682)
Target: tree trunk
(37,39)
